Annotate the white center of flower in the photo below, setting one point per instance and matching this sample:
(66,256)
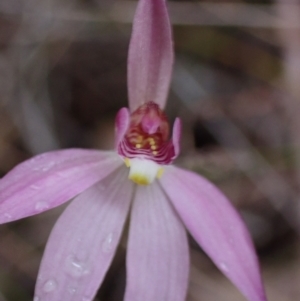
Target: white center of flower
(143,171)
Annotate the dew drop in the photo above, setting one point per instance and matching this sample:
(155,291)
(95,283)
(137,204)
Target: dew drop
(40,277)
(41,206)
(49,286)
(224,267)
(108,243)
(72,290)
(7,216)
(35,187)
(76,267)
(45,167)
(61,174)
(48,166)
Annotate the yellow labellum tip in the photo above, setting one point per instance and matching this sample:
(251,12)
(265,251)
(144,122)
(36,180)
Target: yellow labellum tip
(139,179)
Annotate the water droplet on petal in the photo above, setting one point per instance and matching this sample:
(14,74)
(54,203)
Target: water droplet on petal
(36,298)
(41,206)
(108,243)
(72,290)
(7,216)
(76,267)
(45,167)
(61,174)
(224,267)
(49,286)
(35,187)
(48,166)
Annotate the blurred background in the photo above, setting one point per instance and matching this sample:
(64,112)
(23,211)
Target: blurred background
(236,86)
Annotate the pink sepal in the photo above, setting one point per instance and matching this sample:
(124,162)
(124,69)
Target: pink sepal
(84,241)
(217,227)
(121,125)
(150,58)
(176,136)
(158,254)
(50,179)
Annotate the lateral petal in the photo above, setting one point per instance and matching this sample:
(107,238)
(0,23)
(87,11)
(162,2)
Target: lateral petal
(217,227)
(176,136)
(121,125)
(84,240)
(48,180)
(150,58)
(157,253)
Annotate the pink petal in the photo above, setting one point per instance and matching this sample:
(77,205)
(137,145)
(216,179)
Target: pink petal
(217,227)
(84,240)
(50,179)
(122,124)
(157,254)
(150,57)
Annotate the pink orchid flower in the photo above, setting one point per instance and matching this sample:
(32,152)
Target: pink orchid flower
(162,200)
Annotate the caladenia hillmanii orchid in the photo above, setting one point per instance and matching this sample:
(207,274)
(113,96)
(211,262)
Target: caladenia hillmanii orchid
(162,200)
